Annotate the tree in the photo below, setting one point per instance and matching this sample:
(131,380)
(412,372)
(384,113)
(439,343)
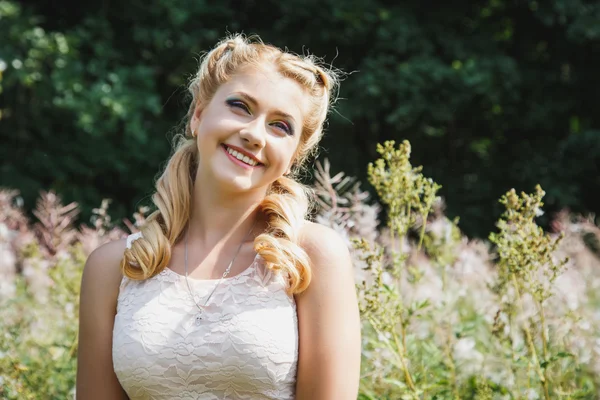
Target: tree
(492,95)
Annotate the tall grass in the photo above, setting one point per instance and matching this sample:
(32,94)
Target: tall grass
(444,317)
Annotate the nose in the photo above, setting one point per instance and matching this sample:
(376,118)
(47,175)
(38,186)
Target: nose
(253,134)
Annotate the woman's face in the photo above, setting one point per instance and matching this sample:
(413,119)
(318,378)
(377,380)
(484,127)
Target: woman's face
(249,132)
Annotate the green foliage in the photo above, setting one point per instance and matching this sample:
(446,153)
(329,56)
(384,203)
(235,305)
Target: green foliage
(524,250)
(39,325)
(402,188)
(494,342)
(443,317)
(491,95)
(527,266)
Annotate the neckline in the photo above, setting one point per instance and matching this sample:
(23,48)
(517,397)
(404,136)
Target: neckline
(246,271)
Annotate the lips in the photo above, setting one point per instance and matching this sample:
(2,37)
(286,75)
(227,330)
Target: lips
(242,156)
(239,162)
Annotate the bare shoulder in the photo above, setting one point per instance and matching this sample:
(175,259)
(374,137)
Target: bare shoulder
(323,243)
(102,277)
(328,319)
(329,256)
(103,265)
(100,284)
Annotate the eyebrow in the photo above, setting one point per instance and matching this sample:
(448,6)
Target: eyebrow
(254,102)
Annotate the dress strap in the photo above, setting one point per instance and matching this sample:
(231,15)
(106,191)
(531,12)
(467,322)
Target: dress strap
(133,237)
(130,239)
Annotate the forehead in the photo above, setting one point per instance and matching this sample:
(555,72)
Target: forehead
(272,90)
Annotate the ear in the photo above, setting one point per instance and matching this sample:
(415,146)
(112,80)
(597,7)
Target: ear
(196,117)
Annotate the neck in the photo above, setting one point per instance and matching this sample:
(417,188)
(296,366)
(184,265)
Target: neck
(216,215)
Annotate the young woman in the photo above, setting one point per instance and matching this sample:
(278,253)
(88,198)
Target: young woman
(228,292)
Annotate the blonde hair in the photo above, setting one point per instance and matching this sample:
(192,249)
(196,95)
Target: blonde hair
(287,201)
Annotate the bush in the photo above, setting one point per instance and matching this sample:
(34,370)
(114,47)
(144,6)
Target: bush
(492,94)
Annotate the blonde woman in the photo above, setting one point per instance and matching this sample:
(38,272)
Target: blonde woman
(228,292)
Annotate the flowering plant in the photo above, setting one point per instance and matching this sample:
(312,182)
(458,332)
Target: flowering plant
(444,317)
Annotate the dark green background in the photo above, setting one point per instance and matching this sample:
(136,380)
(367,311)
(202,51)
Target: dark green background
(491,94)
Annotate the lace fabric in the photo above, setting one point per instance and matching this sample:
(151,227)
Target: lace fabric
(245,347)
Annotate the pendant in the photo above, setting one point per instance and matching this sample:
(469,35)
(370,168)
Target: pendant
(198,319)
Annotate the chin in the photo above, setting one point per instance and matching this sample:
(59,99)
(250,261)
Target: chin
(226,179)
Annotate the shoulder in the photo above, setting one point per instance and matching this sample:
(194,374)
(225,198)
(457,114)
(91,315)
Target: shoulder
(328,319)
(106,257)
(112,250)
(329,256)
(321,242)
(102,271)
(97,309)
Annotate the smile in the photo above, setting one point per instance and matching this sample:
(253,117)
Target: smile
(240,158)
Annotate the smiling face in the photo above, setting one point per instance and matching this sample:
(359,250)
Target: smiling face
(249,132)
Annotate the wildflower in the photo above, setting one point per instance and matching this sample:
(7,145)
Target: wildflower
(466,354)
(531,394)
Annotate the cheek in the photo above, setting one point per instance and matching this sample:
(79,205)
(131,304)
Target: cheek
(212,129)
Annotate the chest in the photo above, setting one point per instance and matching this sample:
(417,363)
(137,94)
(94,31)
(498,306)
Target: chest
(211,265)
(246,345)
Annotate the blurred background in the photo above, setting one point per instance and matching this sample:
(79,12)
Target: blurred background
(491,94)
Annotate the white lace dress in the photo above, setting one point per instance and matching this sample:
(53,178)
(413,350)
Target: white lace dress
(246,346)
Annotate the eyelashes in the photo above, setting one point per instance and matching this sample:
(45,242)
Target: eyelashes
(238,104)
(281,124)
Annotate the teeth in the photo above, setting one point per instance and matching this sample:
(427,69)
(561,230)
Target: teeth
(241,157)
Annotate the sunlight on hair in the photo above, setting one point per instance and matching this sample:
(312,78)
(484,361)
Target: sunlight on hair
(287,202)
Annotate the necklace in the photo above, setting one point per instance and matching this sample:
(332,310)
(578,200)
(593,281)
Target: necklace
(200,313)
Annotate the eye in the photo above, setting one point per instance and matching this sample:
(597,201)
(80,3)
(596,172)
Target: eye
(284,126)
(238,104)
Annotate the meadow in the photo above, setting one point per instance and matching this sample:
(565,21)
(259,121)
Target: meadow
(516,316)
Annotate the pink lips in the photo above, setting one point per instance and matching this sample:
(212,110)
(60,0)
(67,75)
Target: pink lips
(238,162)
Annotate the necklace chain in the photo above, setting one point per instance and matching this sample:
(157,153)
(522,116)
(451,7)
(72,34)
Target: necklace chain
(227,270)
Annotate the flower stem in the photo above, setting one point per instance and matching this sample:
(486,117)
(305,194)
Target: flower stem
(407,377)
(535,360)
(544,339)
(452,367)
(398,351)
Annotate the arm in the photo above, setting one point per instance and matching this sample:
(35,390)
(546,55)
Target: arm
(96,378)
(328,321)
